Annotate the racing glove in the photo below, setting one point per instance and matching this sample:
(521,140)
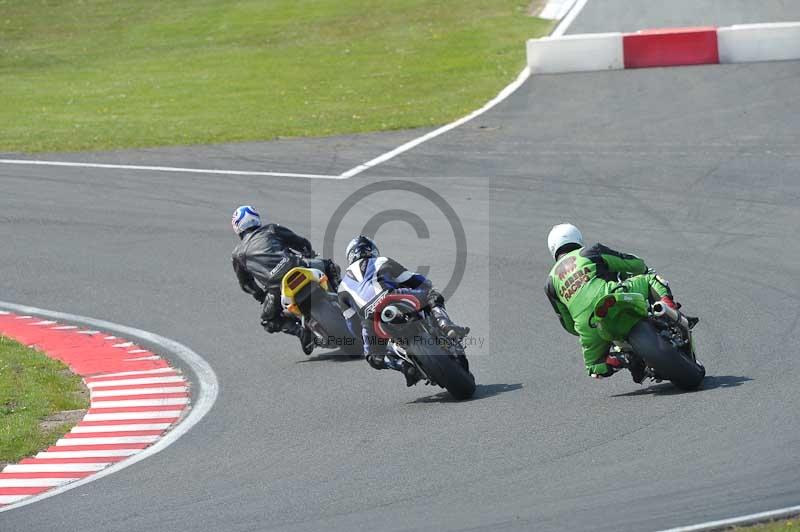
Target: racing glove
(610,365)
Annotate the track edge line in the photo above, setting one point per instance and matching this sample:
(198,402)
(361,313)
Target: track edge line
(750,519)
(507,91)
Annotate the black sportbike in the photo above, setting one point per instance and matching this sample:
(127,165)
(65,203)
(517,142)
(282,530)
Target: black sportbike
(406,327)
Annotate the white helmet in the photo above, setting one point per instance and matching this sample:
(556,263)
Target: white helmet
(561,235)
(244,218)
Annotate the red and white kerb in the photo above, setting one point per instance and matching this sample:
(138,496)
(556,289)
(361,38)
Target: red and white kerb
(135,398)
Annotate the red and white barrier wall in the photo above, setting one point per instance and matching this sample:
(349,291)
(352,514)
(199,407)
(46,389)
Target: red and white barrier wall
(664,47)
(759,42)
(135,398)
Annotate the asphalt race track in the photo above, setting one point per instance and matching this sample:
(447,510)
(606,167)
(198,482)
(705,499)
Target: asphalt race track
(695,169)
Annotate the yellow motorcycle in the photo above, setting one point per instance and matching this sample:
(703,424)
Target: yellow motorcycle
(308,294)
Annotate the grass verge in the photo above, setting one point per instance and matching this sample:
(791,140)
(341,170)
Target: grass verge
(787,525)
(80,75)
(35,391)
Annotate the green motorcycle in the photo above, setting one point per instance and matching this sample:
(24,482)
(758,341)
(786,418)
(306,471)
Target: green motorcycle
(655,335)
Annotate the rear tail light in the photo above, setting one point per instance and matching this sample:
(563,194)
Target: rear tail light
(602,310)
(295,280)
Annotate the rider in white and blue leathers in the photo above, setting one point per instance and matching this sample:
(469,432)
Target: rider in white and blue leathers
(368,275)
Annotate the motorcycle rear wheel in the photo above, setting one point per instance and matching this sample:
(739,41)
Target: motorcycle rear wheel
(668,363)
(448,372)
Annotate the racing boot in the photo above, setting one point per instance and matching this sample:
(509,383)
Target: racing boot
(307,338)
(411,374)
(408,370)
(307,341)
(446,325)
(637,368)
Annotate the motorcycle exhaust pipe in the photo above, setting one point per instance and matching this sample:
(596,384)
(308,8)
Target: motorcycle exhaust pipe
(660,310)
(389,313)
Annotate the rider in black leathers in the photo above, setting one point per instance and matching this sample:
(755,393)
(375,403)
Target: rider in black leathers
(261,259)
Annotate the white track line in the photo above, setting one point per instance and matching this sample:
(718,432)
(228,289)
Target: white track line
(121,416)
(556,9)
(54,468)
(81,429)
(124,344)
(176,169)
(138,391)
(205,386)
(750,519)
(33,482)
(564,25)
(11,499)
(87,454)
(164,401)
(131,373)
(107,440)
(505,93)
(127,382)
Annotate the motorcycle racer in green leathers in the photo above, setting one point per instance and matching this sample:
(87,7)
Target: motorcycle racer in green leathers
(583,275)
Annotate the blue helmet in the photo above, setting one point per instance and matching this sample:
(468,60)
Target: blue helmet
(244,218)
(360,247)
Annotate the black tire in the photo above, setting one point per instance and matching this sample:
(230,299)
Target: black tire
(329,316)
(445,370)
(661,355)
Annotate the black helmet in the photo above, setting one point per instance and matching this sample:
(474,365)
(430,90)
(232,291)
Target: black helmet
(360,247)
